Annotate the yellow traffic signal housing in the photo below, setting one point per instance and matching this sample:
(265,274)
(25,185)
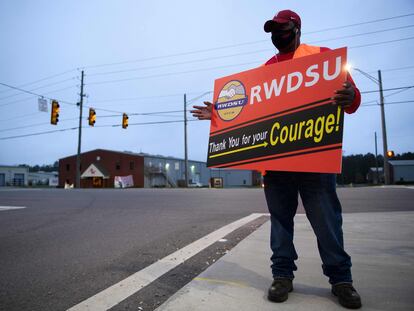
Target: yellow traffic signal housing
(54,116)
(390,154)
(124,121)
(92,117)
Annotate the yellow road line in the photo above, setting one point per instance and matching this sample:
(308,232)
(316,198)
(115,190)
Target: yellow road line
(264,145)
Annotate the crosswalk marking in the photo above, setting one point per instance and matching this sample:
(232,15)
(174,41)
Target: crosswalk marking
(6,208)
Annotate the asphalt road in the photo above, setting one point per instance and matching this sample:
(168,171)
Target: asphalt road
(68,245)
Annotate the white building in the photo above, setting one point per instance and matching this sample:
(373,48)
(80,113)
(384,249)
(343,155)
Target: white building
(161,171)
(402,171)
(13,176)
(41,178)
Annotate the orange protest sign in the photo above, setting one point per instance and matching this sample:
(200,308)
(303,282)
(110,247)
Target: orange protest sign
(280,117)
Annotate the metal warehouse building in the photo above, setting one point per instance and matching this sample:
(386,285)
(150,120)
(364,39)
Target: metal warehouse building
(107,169)
(402,171)
(13,175)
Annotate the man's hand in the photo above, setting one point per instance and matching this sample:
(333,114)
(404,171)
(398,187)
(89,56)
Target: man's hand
(203,113)
(344,97)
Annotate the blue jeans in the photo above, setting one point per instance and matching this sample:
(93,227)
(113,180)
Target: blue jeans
(318,194)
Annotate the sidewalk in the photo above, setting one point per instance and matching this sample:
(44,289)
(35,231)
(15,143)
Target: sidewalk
(381,246)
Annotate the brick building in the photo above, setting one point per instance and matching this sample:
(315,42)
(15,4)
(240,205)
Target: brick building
(101,168)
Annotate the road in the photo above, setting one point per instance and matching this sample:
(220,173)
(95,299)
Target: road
(68,245)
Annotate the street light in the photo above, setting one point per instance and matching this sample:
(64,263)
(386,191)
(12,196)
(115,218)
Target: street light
(384,129)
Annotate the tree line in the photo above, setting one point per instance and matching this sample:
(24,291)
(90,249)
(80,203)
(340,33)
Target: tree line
(355,167)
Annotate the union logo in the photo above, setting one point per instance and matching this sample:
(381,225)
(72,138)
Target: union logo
(231,100)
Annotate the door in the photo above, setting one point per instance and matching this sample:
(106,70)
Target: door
(18,179)
(97,182)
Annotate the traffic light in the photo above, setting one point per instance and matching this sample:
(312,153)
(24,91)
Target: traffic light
(124,121)
(390,154)
(54,116)
(92,117)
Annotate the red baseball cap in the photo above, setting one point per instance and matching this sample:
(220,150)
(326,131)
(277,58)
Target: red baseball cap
(283,17)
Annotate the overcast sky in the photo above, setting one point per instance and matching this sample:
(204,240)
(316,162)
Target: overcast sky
(142,56)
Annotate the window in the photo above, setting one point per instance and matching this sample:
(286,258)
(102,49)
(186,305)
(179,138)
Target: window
(177,166)
(68,167)
(18,180)
(131,165)
(118,166)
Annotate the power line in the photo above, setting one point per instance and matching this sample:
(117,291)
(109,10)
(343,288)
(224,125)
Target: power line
(386,70)
(398,68)
(177,63)
(401,89)
(108,125)
(140,98)
(21,117)
(362,23)
(213,49)
(43,96)
(237,54)
(390,89)
(40,87)
(400,102)
(379,43)
(43,79)
(169,74)
(33,125)
(362,34)
(239,44)
(390,103)
(232,55)
(149,114)
(35,94)
(39,133)
(145,123)
(149,123)
(221,67)
(181,94)
(189,102)
(398,92)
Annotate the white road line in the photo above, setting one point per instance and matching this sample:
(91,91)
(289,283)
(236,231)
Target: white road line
(6,208)
(113,295)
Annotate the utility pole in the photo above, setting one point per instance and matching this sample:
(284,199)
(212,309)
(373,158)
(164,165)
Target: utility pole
(384,132)
(78,162)
(376,157)
(185,142)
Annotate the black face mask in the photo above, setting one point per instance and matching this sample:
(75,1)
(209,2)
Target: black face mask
(280,40)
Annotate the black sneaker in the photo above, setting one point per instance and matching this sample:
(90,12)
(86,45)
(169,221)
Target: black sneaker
(280,289)
(347,295)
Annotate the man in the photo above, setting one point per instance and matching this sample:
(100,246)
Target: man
(317,191)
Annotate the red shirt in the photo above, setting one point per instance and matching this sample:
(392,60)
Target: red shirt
(357,101)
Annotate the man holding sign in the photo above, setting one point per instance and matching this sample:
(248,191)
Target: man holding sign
(285,119)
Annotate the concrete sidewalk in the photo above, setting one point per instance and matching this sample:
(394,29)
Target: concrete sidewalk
(381,246)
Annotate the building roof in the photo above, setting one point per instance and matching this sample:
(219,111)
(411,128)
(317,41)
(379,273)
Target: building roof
(141,154)
(401,162)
